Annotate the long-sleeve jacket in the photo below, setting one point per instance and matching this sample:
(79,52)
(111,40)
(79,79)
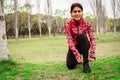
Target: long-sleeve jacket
(72,31)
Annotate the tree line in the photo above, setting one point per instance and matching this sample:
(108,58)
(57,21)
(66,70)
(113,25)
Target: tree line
(21,22)
(57,24)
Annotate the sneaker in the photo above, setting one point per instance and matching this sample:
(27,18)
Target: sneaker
(86,68)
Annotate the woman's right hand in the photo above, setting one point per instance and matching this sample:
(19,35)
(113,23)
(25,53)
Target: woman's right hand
(79,60)
(91,60)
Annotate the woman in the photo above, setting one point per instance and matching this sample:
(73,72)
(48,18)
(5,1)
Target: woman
(76,31)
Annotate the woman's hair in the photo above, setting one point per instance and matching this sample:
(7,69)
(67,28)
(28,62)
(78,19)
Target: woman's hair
(76,5)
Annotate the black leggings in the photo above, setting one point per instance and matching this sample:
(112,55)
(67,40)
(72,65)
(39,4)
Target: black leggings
(83,48)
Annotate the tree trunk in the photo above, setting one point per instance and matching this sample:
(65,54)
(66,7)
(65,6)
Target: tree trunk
(39,24)
(114,9)
(97,28)
(29,25)
(3,40)
(28,8)
(114,16)
(49,14)
(39,21)
(50,31)
(114,23)
(16,19)
(16,26)
(49,26)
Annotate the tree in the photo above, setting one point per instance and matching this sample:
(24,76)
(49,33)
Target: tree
(3,40)
(113,5)
(8,6)
(118,6)
(11,6)
(91,19)
(16,18)
(39,19)
(60,15)
(99,12)
(48,11)
(114,10)
(23,30)
(28,8)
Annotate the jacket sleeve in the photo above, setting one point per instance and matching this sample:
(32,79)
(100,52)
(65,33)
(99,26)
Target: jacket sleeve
(70,41)
(92,42)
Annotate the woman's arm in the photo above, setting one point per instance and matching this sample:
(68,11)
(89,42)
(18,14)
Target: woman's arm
(92,42)
(70,41)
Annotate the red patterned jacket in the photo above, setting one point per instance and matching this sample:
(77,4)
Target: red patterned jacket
(72,31)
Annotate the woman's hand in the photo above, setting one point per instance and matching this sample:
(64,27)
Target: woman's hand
(79,60)
(91,59)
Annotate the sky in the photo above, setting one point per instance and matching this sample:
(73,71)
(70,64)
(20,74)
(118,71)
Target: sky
(65,4)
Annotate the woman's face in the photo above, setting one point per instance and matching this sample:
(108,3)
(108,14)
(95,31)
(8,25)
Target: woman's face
(77,13)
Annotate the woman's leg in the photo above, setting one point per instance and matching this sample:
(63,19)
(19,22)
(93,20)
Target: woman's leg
(84,50)
(71,61)
(83,47)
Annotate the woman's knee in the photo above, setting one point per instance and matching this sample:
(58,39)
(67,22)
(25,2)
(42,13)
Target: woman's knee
(84,42)
(71,66)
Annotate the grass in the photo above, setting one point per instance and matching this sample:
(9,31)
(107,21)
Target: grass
(44,59)
(102,69)
(39,50)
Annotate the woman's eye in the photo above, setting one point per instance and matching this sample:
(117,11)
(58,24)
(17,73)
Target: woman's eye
(77,11)
(74,11)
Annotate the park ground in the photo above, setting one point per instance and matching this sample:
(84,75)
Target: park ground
(44,59)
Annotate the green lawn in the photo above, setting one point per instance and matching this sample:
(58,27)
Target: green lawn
(44,59)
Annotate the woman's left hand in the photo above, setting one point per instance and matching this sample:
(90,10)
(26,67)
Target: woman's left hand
(79,60)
